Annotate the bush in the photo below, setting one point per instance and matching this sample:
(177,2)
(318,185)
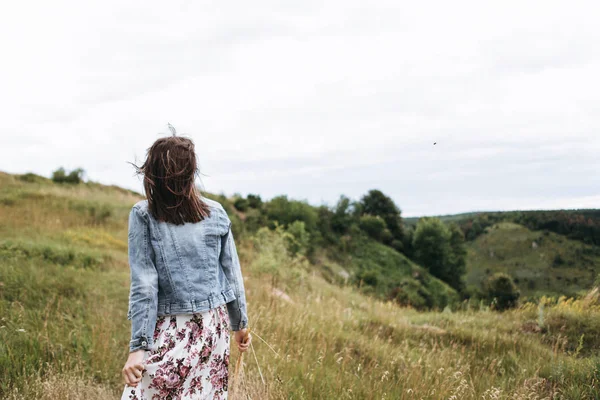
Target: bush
(377,203)
(502,292)
(254,201)
(241,204)
(73,177)
(254,220)
(286,211)
(373,226)
(32,178)
(558,261)
(273,258)
(345,213)
(397,245)
(298,239)
(370,278)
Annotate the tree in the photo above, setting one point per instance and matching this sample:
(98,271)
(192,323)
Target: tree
(298,239)
(431,244)
(254,201)
(342,215)
(286,211)
(378,204)
(458,258)
(325,227)
(407,243)
(241,204)
(441,250)
(502,292)
(73,177)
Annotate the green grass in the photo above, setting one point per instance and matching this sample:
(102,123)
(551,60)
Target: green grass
(542,263)
(388,274)
(64,284)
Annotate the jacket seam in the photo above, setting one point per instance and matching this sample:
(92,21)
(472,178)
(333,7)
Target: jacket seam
(148,295)
(183,269)
(161,247)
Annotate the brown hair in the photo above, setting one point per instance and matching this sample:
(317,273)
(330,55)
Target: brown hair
(169,172)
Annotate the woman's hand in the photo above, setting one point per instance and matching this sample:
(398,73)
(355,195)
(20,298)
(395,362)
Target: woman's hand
(243,339)
(132,371)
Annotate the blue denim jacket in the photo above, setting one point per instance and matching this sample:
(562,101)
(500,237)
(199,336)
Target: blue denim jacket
(176,269)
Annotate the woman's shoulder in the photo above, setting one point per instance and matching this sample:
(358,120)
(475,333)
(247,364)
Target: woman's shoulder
(141,205)
(217,208)
(213,204)
(218,213)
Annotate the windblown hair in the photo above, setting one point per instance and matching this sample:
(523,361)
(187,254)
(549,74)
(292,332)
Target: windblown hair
(169,172)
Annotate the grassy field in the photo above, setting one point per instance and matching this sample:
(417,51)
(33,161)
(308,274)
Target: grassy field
(64,284)
(542,263)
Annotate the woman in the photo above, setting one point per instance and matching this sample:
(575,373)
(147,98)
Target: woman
(186,289)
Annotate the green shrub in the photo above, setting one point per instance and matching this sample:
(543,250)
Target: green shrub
(241,204)
(502,291)
(558,261)
(32,178)
(377,203)
(370,278)
(274,260)
(397,245)
(298,239)
(73,177)
(286,211)
(254,201)
(254,220)
(373,226)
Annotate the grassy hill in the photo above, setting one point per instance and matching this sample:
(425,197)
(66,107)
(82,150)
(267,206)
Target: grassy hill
(445,218)
(64,282)
(541,262)
(387,274)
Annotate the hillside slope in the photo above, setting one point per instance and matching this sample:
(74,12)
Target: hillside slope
(389,275)
(541,262)
(64,282)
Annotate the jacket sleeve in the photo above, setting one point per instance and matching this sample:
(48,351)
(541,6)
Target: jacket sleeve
(230,263)
(143,293)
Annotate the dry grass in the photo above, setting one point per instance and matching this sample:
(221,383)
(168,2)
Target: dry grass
(64,333)
(60,386)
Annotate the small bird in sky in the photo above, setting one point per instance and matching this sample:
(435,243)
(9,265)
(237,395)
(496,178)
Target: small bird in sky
(434,143)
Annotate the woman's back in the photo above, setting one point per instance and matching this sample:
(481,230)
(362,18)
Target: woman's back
(187,289)
(196,263)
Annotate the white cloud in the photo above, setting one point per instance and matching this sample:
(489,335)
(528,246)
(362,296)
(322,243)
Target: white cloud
(315,99)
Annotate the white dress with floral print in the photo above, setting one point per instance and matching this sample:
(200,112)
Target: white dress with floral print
(188,360)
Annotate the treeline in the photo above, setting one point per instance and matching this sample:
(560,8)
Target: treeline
(420,264)
(583,225)
(374,215)
(349,233)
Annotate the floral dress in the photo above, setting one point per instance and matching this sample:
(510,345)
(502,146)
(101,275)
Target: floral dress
(188,360)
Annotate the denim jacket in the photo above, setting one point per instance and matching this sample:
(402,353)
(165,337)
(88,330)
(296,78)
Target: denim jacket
(189,268)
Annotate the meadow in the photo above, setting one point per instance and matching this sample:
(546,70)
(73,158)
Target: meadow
(64,281)
(540,262)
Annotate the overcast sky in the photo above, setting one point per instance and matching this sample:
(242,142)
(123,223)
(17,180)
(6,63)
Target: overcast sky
(315,99)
